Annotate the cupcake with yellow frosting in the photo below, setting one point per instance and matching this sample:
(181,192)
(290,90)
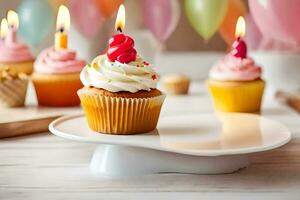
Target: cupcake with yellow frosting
(119,94)
(235,85)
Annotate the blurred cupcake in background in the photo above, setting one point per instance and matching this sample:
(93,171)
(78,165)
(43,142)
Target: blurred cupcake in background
(57,69)
(236,85)
(235,81)
(176,84)
(56,77)
(17,56)
(13,88)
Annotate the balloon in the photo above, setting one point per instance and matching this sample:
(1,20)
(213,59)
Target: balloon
(253,35)
(56,3)
(277,19)
(86,17)
(277,45)
(206,15)
(161,17)
(36,19)
(235,9)
(108,7)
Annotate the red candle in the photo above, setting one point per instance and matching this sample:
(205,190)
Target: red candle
(121,47)
(239,47)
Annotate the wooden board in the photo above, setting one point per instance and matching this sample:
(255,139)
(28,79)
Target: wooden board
(291,99)
(30,119)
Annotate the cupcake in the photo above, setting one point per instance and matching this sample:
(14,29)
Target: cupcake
(56,77)
(119,94)
(16,56)
(13,87)
(176,83)
(13,54)
(235,85)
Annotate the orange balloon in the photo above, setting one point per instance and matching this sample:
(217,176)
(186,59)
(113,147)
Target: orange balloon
(56,3)
(108,7)
(235,9)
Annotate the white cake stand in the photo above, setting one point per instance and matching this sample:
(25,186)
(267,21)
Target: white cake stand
(197,143)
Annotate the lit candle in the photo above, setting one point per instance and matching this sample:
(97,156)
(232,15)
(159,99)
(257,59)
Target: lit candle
(4,29)
(121,46)
(239,47)
(120,21)
(62,27)
(13,25)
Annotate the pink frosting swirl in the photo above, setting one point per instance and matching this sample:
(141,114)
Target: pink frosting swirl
(14,52)
(58,62)
(232,68)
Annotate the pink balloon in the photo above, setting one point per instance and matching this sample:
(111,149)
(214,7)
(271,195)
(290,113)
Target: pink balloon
(272,44)
(161,17)
(253,35)
(277,19)
(87,18)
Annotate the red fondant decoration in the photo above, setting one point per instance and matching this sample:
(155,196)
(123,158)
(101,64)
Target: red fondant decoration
(121,48)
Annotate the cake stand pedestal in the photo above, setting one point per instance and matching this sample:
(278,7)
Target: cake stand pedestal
(116,160)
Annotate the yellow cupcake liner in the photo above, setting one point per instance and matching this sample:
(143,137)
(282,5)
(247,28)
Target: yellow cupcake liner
(18,67)
(237,96)
(13,92)
(120,116)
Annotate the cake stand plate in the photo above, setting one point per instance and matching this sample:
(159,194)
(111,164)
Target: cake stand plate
(196,143)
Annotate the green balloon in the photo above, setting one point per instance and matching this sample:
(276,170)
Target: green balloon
(206,15)
(36,20)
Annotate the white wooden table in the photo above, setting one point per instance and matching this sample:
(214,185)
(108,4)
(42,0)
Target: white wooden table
(45,167)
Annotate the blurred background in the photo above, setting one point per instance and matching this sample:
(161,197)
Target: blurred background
(183,38)
(176,25)
(172,32)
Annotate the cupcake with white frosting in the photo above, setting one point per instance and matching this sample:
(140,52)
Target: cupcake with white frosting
(119,94)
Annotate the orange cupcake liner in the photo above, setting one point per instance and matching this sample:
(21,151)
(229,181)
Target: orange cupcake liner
(57,91)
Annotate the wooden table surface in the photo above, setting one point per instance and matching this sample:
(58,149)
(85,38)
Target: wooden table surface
(44,166)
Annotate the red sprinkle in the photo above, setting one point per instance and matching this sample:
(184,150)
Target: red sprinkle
(146,63)
(153,77)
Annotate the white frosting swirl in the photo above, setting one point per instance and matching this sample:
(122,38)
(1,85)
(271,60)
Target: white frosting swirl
(116,76)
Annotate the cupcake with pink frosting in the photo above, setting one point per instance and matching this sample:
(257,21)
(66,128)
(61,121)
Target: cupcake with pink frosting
(235,84)
(14,55)
(56,77)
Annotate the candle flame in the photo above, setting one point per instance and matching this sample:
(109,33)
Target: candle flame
(4,28)
(63,21)
(120,21)
(12,19)
(240,29)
